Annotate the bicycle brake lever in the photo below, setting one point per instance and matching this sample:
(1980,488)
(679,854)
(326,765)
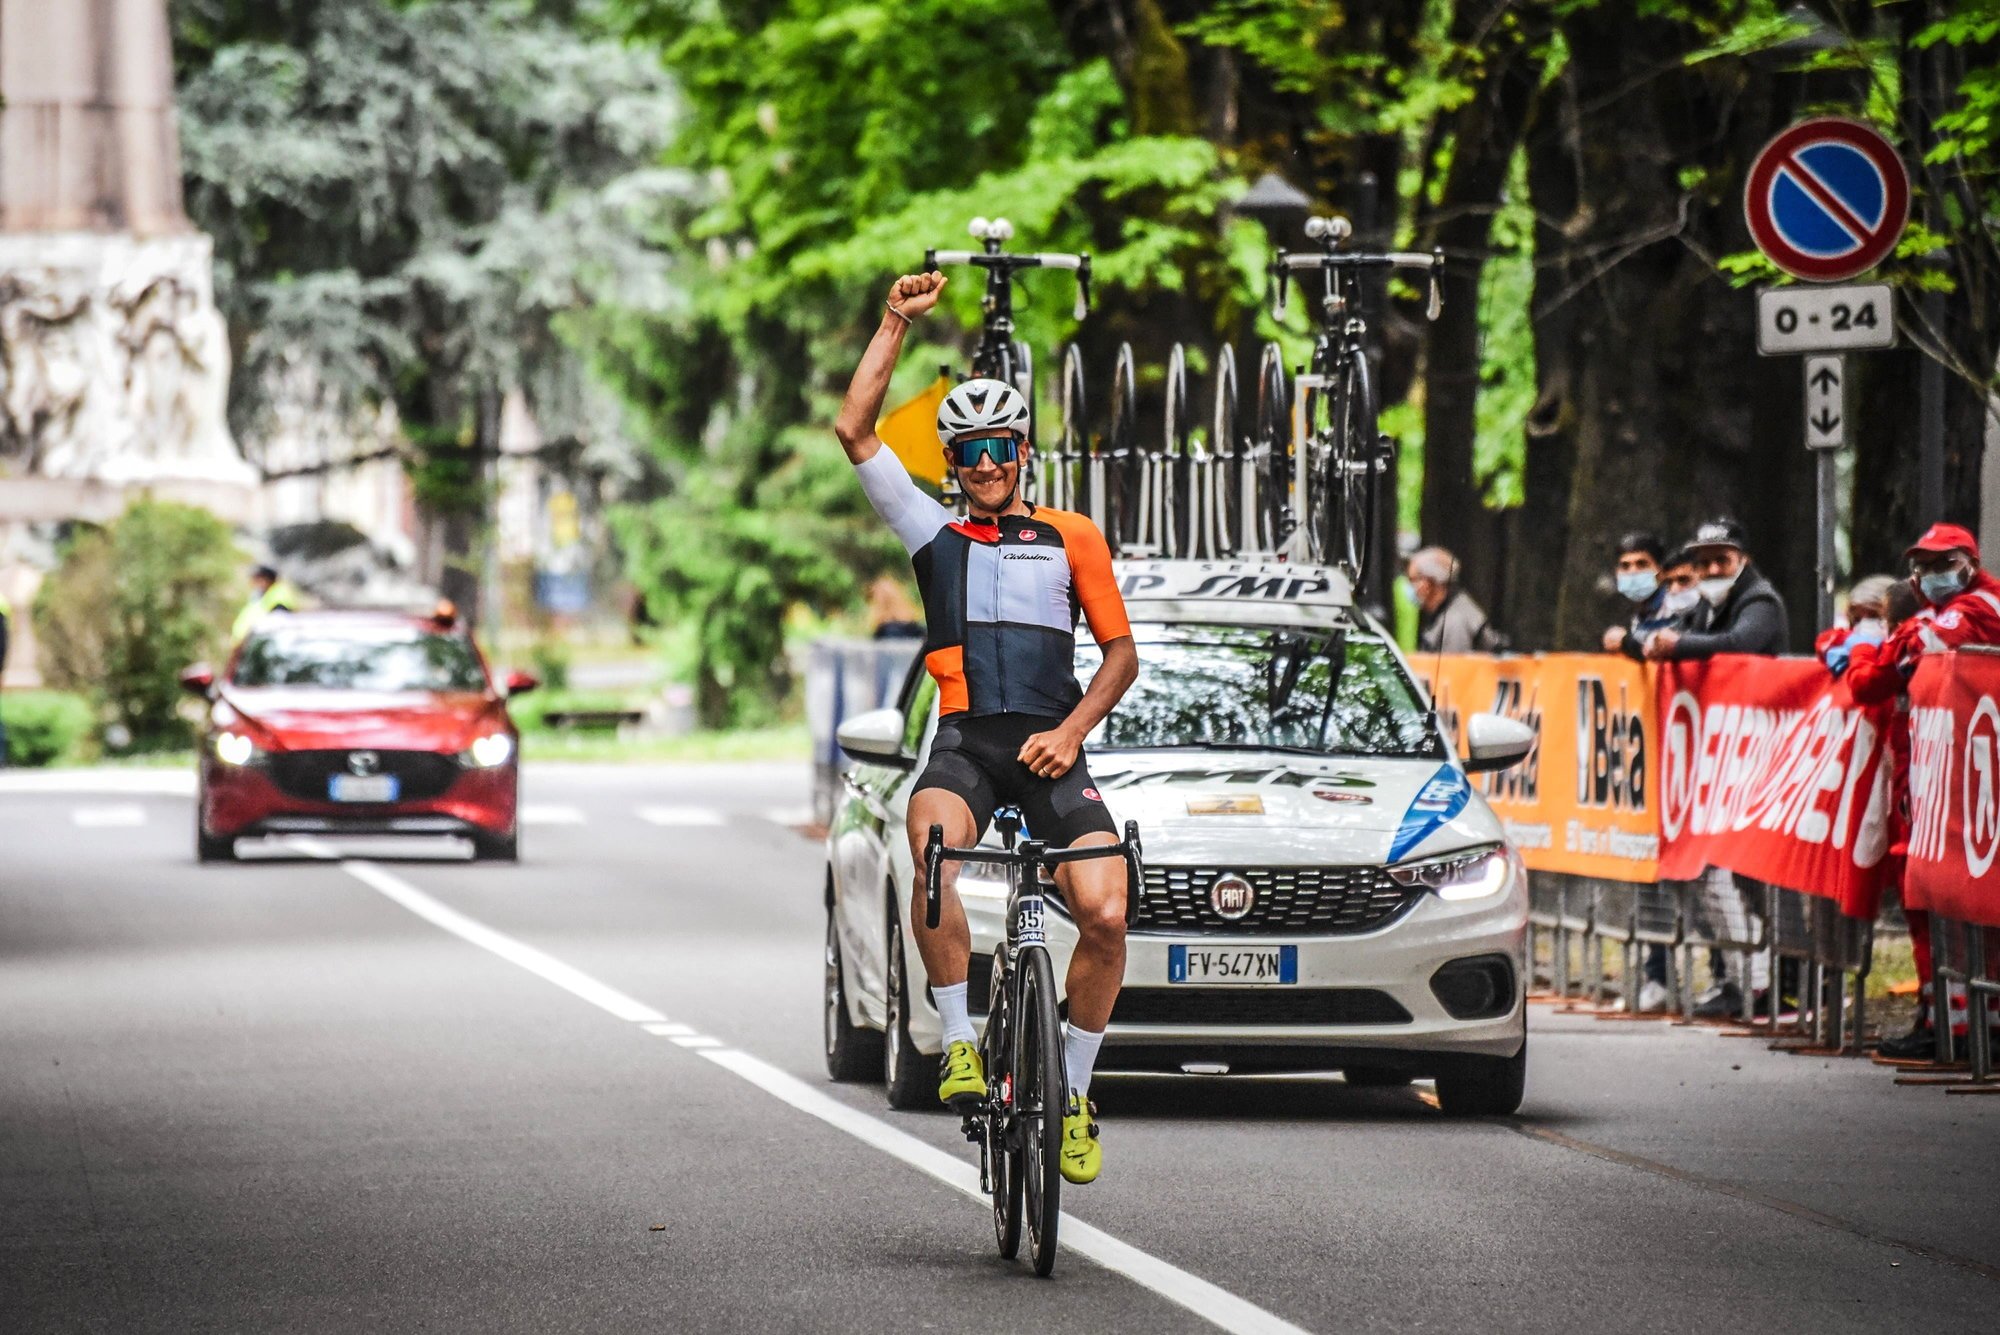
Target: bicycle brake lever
(930,261)
(1436,307)
(1283,276)
(1083,289)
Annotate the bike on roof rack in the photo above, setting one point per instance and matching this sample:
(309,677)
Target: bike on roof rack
(1001,356)
(1320,500)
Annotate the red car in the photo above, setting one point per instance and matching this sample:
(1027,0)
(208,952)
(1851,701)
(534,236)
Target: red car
(357,723)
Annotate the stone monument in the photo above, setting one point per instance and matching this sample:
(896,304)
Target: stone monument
(114,362)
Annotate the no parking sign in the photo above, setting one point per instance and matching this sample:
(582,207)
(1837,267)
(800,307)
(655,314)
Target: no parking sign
(1827,199)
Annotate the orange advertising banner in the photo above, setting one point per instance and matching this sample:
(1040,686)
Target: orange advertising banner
(1585,800)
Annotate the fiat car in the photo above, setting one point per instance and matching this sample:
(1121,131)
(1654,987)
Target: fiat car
(1325,888)
(331,722)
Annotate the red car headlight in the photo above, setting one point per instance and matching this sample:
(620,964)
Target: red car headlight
(236,749)
(488,752)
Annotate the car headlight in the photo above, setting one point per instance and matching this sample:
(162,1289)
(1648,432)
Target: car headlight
(495,748)
(233,748)
(1474,874)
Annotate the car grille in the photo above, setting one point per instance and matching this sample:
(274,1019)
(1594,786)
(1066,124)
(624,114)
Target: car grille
(1291,901)
(1194,1006)
(421,775)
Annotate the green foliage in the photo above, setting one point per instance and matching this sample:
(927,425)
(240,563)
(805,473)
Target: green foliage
(44,727)
(1507,382)
(131,605)
(413,204)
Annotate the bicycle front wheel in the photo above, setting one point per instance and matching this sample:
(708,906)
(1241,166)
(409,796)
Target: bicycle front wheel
(1040,1088)
(1003,1164)
(1345,498)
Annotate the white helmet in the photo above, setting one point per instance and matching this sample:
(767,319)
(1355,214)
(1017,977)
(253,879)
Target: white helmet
(981,405)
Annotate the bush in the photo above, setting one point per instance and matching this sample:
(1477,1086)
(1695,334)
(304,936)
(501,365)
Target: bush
(131,605)
(44,726)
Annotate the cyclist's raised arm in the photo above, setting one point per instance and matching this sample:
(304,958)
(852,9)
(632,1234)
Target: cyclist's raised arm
(910,296)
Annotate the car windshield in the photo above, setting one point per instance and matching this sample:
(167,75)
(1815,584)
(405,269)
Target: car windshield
(373,658)
(1266,688)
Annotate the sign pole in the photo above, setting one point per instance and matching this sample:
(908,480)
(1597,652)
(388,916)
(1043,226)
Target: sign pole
(1826,432)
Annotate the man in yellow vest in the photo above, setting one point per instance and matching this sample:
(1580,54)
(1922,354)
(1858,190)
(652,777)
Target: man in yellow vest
(271,595)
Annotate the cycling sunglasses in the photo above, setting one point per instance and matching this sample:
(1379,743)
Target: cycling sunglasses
(1000,449)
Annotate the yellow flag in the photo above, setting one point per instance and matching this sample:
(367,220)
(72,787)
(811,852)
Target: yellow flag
(911,431)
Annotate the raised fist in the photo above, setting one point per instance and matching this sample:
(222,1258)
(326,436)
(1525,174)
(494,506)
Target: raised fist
(915,293)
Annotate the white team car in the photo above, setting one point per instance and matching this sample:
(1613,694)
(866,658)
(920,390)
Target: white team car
(1324,888)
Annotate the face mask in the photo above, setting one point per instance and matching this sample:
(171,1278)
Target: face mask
(1638,585)
(1716,590)
(1678,601)
(1943,585)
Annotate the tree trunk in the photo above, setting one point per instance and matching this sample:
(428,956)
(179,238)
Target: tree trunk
(1483,134)
(1653,401)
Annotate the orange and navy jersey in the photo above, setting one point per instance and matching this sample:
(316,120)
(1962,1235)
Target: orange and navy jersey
(1001,599)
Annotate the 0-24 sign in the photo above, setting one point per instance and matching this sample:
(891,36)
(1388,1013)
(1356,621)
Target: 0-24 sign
(1825,319)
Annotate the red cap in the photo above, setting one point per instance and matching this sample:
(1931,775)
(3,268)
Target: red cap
(1945,538)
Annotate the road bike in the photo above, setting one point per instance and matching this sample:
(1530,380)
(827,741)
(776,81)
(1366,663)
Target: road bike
(1000,355)
(1336,474)
(1019,1127)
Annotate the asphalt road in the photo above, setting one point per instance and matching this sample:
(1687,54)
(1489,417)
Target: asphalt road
(392,1091)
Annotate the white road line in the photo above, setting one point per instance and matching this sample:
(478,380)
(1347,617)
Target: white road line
(667,1029)
(105,818)
(548,967)
(680,816)
(1208,1301)
(788,815)
(1197,1295)
(546,814)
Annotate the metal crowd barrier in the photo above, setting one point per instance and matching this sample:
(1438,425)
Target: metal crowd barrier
(1960,956)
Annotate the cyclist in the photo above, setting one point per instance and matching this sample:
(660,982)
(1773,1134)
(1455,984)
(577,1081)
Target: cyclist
(1001,592)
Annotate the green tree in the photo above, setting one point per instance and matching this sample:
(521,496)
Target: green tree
(132,604)
(421,205)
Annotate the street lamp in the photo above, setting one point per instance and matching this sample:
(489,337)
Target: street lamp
(1281,207)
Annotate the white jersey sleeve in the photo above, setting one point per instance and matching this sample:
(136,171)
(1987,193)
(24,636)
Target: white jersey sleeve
(915,517)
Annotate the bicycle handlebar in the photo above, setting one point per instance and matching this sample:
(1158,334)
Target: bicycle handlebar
(1031,854)
(1287,264)
(1003,264)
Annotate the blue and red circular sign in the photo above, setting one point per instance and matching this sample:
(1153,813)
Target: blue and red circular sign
(1827,199)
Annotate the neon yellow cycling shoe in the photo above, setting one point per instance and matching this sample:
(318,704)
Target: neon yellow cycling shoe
(1082,1157)
(962,1077)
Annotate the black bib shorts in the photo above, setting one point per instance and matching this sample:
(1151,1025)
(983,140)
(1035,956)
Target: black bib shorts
(978,759)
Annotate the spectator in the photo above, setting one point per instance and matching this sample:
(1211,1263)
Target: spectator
(1743,613)
(1663,601)
(1959,605)
(1448,620)
(892,613)
(1661,589)
(269,594)
(1740,614)
(1867,621)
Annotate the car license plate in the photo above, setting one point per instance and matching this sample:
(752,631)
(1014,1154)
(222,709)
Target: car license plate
(362,787)
(1233,966)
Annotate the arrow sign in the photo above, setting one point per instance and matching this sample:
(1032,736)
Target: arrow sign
(1826,408)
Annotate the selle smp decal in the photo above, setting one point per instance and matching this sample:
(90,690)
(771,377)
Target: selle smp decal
(1441,798)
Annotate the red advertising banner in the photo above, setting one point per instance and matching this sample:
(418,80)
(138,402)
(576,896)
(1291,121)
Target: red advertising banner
(1770,769)
(1955,787)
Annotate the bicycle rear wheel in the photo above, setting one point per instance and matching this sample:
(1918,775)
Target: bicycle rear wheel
(1124,492)
(1002,1164)
(1224,486)
(1271,451)
(1039,1090)
(1176,467)
(1071,489)
(1347,447)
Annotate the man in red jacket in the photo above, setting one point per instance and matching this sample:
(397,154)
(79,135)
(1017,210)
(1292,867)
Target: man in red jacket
(1961,605)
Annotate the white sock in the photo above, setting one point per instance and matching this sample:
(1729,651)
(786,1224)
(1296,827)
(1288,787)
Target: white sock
(1079,1055)
(951,1010)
